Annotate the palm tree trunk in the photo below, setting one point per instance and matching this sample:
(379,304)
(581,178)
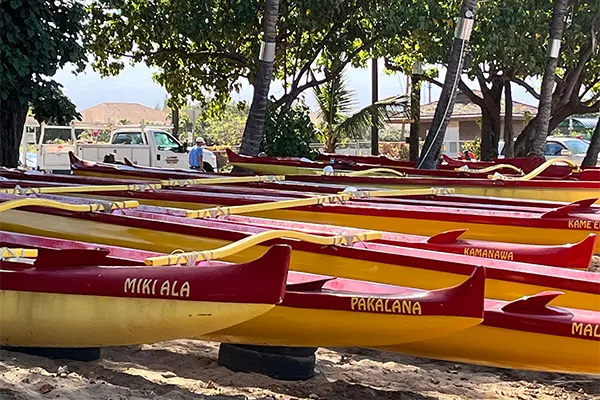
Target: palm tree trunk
(443,111)
(415,117)
(254,130)
(509,132)
(591,157)
(12,121)
(175,121)
(557,25)
(374,98)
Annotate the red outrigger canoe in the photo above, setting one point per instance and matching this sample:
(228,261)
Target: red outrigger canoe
(152,228)
(575,255)
(525,333)
(68,297)
(328,306)
(569,224)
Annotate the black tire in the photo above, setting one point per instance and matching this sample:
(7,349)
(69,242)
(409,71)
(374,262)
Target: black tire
(207,167)
(59,353)
(277,366)
(284,351)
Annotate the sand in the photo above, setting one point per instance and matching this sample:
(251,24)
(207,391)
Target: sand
(185,369)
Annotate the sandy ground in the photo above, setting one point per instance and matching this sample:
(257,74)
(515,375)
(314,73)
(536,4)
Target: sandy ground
(182,370)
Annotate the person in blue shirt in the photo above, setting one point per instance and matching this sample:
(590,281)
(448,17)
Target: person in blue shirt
(196,155)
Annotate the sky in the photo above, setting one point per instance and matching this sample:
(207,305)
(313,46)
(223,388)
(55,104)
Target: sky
(135,85)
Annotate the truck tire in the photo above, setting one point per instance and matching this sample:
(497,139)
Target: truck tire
(277,366)
(60,353)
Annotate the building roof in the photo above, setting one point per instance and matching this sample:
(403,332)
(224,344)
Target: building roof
(112,113)
(581,123)
(465,109)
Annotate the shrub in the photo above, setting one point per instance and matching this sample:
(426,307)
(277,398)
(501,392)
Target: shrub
(288,132)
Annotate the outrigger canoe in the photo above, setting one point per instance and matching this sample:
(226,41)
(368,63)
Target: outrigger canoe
(514,167)
(571,223)
(296,166)
(568,224)
(153,229)
(526,333)
(316,309)
(551,190)
(576,255)
(84,298)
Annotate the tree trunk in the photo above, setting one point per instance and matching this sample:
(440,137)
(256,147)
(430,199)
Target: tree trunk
(415,117)
(175,121)
(545,106)
(509,132)
(12,121)
(591,157)
(524,140)
(254,130)
(374,98)
(445,106)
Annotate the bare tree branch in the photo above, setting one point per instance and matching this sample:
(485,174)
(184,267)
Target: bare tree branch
(527,86)
(295,91)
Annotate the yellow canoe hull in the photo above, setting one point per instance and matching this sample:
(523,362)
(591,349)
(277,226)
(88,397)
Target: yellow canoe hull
(287,326)
(569,196)
(413,226)
(505,348)
(166,242)
(35,319)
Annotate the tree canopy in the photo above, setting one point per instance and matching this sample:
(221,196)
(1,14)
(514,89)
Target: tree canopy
(508,44)
(37,37)
(202,50)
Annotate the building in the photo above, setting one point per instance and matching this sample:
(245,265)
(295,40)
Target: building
(465,121)
(114,113)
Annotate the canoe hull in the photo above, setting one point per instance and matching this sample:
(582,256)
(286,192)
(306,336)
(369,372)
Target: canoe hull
(35,319)
(413,226)
(317,263)
(287,326)
(506,348)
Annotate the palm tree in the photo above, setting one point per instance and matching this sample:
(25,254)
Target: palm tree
(443,111)
(254,130)
(337,122)
(557,25)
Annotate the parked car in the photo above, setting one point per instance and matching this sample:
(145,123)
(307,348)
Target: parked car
(571,148)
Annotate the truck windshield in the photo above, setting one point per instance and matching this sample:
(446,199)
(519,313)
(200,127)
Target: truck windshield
(164,141)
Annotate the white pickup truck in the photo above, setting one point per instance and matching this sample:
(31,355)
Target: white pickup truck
(145,146)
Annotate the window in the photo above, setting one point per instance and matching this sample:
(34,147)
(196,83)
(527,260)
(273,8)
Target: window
(553,149)
(576,146)
(453,147)
(128,138)
(164,141)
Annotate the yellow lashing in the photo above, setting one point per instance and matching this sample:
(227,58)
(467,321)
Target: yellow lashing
(220,181)
(79,189)
(272,205)
(365,194)
(243,244)
(536,171)
(491,168)
(6,252)
(12,204)
(372,171)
